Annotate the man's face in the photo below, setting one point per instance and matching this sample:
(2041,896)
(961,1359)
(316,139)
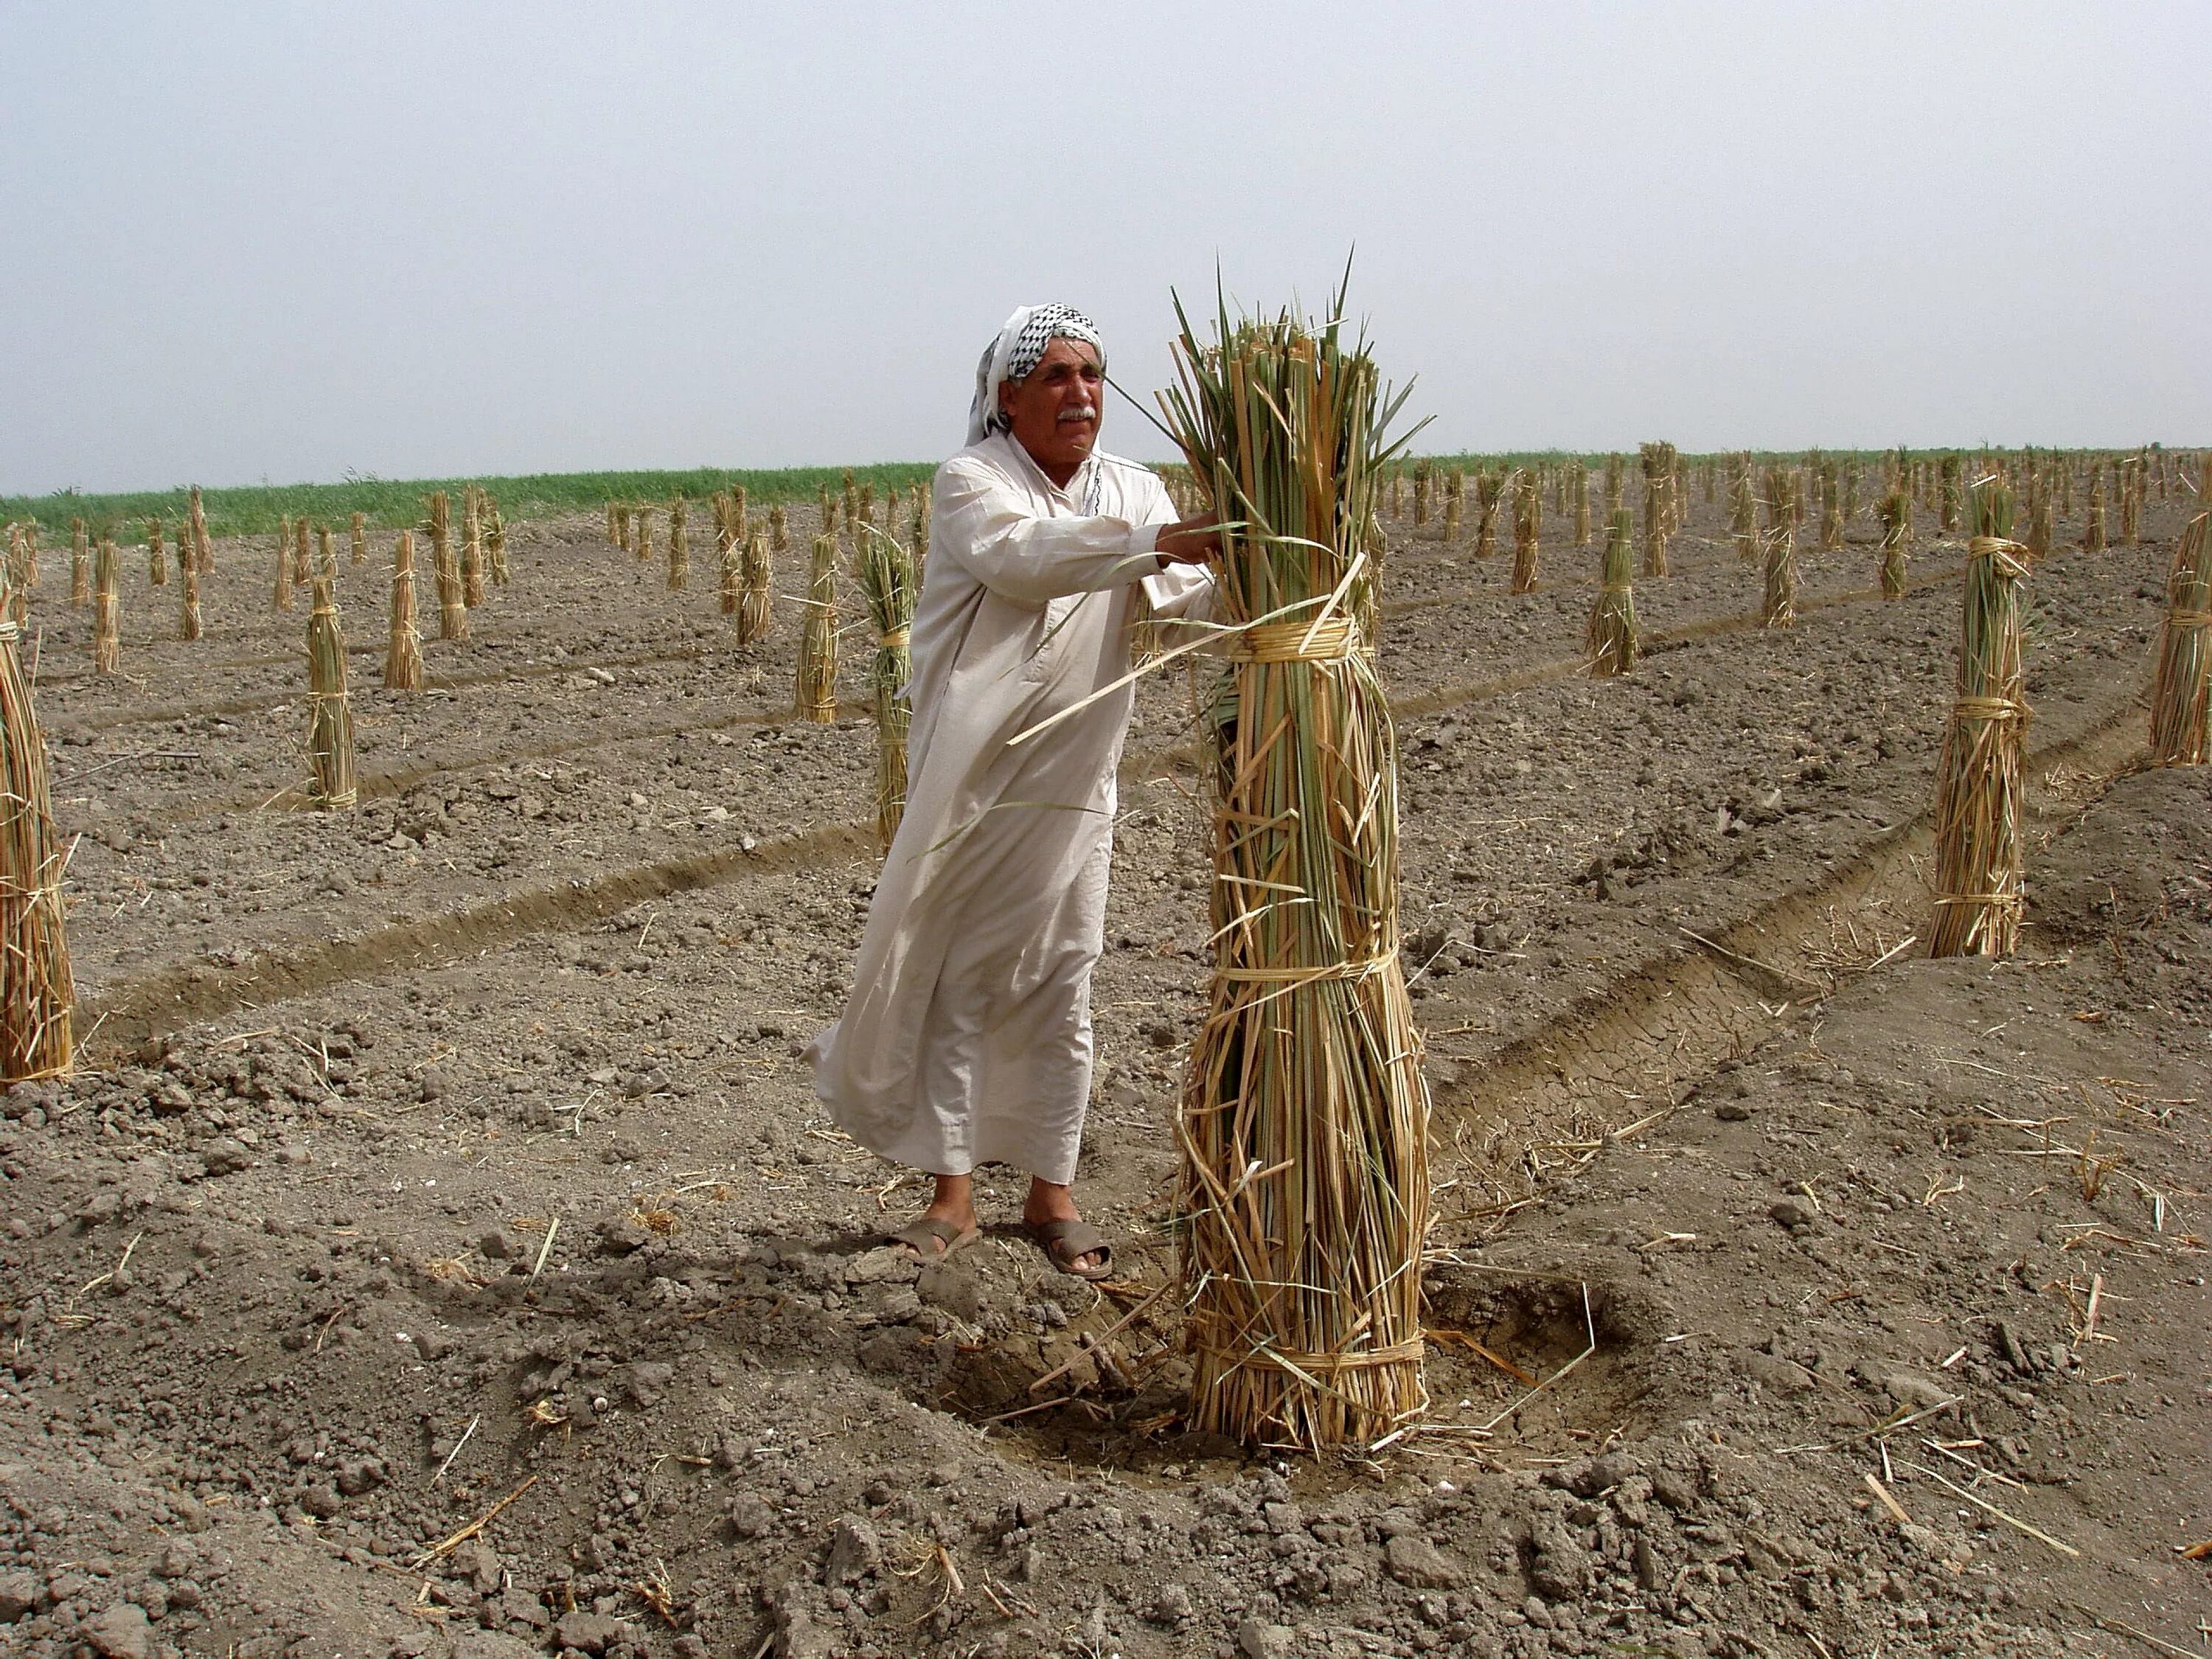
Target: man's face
(1054,410)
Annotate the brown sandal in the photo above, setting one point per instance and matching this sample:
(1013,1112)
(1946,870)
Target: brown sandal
(933,1239)
(1067,1243)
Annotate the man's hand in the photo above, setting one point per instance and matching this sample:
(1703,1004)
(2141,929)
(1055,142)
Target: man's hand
(1194,541)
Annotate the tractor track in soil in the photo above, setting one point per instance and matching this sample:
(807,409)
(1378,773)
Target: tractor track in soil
(181,995)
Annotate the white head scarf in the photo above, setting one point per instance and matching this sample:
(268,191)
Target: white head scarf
(1011,356)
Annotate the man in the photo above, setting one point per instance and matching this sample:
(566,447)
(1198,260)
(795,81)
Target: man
(967,1039)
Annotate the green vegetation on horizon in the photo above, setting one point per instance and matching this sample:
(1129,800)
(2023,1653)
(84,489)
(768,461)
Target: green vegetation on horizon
(397,503)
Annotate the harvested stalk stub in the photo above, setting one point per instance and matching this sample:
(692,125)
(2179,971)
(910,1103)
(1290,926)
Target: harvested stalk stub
(818,646)
(1610,640)
(403,659)
(1980,856)
(330,712)
(37,995)
(1305,1191)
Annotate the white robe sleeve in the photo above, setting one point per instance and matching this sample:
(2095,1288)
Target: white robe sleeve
(1028,560)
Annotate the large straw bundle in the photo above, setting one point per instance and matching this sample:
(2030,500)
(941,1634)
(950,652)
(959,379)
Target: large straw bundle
(1947,518)
(1304,1118)
(729,559)
(107,641)
(203,549)
(188,573)
(281,596)
(1489,492)
(641,534)
(817,645)
(1979,856)
(679,544)
(403,656)
(452,602)
(2093,527)
(1611,639)
(1896,511)
(36,991)
(1613,486)
(1778,606)
(473,570)
(330,712)
(1743,514)
(327,555)
(302,571)
(157,555)
(1657,479)
(2180,688)
(1527,528)
(358,529)
(753,606)
(80,564)
(887,583)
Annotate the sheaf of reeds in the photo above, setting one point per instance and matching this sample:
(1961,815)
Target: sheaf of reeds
(1304,1188)
(1778,603)
(729,555)
(679,544)
(2183,682)
(757,599)
(37,995)
(189,626)
(494,535)
(1831,507)
(80,563)
(452,602)
(329,709)
(1489,493)
(2092,525)
(1896,511)
(326,554)
(403,656)
(779,529)
(1579,489)
(472,555)
(886,572)
(1658,479)
(358,529)
(641,534)
(1743,514)
(1980,856)
(1528,531)
(816,699)
(280,598)
(106,637)
(1610,641)
(302,569)
(157,555)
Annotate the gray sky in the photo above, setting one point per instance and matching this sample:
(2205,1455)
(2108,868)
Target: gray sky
(249,240)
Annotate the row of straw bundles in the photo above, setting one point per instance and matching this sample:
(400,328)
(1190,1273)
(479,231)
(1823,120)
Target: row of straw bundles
(887,584)
(36,992)
(2183,683)
(1304,1120)
(1978,851)
(1611,639)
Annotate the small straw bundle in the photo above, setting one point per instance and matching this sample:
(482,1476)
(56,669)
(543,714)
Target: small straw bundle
(1528,529)
(359,528)
(107,640)
(157,555)
(1947,503)
(2039,522)
(618,525)
(1489,491)
(1455,504)
(80,564)
(203,549)
(452,604)
(779,528)
(729,561)
(302,570)
(1979,852)
(817,645)
(1611,639)
(188,573)
(2092,527)
(403,656)
(2131,500)
(330,711)
(1420,495)
(1831,508)
(1743,514)
(2180,688)
(918,531)
(472,559)
(641,534)
(887,584)
(1657,481)
(1580,491)
(280,598)
(494,535)
(36,991)
(1896,510)
(1613,486)
(679,544)
(22,572)
(326,553)
(1778,606)
(753,605)
(1304,1120)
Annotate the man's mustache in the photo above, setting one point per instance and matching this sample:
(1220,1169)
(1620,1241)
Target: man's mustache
(1087,412)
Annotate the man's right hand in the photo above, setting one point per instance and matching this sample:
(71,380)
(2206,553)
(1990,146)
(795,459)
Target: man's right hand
(1194,541)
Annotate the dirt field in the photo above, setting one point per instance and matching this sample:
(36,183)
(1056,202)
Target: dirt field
(452,1158)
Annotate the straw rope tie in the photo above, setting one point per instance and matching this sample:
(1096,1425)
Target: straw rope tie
(1988,547)
(2190,619)
(1998,900)
(1362,968)
(1329,640)
(896,640)
(1397,1353)
(1989,708)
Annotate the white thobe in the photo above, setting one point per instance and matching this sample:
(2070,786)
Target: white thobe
(967,1038)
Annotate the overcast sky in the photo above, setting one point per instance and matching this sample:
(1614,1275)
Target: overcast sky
(285,241)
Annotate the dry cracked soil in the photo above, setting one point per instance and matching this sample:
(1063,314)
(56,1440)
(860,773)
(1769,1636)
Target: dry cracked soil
(438,1252)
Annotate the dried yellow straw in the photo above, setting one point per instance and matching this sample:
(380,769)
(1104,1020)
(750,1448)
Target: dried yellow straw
(1979,856)
(887,582)
(330,711)
(360,531)
(281,596)
(1778,606)
(37,994)
(157,555)
(80,564)
(729,559)
(403,656)
(302,571)
(472,560)
(494,535)
(107,641)
(1896,530)
(1527,528)
(188,573)
(679,545)
(1610,640)
(1658,480)
(326,554)
(753,605)
(452,603)
(817,645)
(2182,683)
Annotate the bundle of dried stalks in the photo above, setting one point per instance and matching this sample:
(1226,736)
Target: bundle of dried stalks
(403,656)
(1489,492)
(326,554)
(494,535)
(618,525)
(2038,521)
(1613,486)
(157,555)
(1743,514)
(330,711)
(1979,852)
(2180,688)
(641,534)
(1580,490)
(2131,500)
(452,604)
(817,645)
(472,560)
(1610,641)
(80,563)
(887,583)
(1896,511)
(23,570)
(679,544)
(2093,527)
(359,527)
(918,531)
(1528,529)
(1420,495)
(302,571)
(203,549)
(729,560)
(779,529)
(280,597)
(1831,507)
(1658,478)
(188,573)
(1304,1120)
(107,640)
(1778,607)
(37,995)
(1455,503)
(753,605)
(1947,515)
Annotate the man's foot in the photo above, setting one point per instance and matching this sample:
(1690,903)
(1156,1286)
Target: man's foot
(948,1224)
(1052,1219)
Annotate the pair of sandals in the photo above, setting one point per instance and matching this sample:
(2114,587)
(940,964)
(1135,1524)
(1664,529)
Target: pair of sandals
(1065,1244)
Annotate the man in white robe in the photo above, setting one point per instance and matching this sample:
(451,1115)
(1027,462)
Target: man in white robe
(967,1039)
